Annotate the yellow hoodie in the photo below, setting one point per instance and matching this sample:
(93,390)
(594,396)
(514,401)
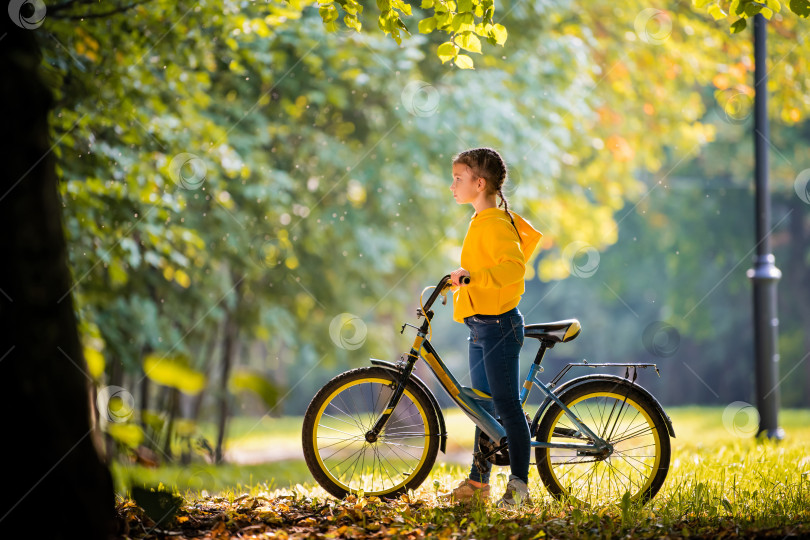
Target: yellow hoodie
(496,258)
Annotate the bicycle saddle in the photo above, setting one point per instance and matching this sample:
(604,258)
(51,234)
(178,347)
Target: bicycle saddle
(556,332)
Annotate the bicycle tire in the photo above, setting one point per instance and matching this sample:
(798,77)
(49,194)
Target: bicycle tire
(569,475)
(364,393)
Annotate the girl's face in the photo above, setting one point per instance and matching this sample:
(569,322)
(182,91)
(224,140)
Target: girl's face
(465,189)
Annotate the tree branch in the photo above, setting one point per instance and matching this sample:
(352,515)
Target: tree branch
(69,16)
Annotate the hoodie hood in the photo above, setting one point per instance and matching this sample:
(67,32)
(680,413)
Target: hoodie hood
(529,236)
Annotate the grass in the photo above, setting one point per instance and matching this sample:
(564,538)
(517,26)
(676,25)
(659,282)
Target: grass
(721,480)
(192,480)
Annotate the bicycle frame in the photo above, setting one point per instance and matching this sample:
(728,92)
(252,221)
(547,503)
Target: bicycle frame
(468,399)
(577,459)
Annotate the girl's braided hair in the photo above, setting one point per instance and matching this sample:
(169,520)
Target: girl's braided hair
(487,163)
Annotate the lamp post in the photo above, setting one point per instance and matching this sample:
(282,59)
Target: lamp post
(764,273)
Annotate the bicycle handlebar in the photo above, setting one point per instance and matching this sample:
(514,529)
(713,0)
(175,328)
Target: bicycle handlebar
(443,283)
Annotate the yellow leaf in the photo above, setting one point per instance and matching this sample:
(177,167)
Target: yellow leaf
(469,42)
(118,275)
(499,33)
(174,372)
(260,27)
(717,12)
(95,362)
(446,51)
(464,62)
(261,333)
(182,278)
(248,380)
(130,435)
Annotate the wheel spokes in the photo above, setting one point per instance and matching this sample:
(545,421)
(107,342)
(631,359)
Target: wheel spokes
(374,467)
(597,480)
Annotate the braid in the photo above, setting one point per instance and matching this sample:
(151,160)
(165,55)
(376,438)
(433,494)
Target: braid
(506,207)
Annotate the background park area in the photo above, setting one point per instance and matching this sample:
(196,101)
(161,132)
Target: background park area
(213,208)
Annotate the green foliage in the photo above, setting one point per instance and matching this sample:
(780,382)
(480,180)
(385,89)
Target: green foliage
(738,26)
(191,481)
(153,421)
(749,8)
(466,19)
(799,7)
(95,362)
(174,372)
(246,380)
(248,163)
(129,435)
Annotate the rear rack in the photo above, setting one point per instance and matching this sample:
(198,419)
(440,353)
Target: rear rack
(585,363)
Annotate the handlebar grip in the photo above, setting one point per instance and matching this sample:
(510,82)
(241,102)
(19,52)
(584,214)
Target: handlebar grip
(465,280)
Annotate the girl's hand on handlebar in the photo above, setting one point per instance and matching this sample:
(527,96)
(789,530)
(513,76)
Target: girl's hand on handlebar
(456,276)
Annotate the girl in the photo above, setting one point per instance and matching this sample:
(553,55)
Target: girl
(494,253)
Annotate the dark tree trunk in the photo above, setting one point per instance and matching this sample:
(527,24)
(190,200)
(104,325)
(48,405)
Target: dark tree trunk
(144,391)
(116,379)
(174,398)
(58,474)
(229,343)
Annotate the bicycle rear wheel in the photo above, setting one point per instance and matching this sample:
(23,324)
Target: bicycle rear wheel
(624,417)
(335,425)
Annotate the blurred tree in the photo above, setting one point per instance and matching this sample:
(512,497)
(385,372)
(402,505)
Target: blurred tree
(744,9)
(673,290)
(245,148)
(49,437)
(238,176)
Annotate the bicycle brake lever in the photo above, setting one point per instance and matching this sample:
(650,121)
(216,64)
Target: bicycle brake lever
(407,324)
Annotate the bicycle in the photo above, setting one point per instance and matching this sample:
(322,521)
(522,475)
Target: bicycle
(377,430)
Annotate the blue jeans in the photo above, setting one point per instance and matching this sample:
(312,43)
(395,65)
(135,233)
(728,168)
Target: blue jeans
(495,343)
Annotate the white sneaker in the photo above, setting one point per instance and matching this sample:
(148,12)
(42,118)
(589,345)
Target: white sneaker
(517,493)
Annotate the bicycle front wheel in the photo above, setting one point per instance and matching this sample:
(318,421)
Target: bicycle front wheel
(629,421)
(335,425)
